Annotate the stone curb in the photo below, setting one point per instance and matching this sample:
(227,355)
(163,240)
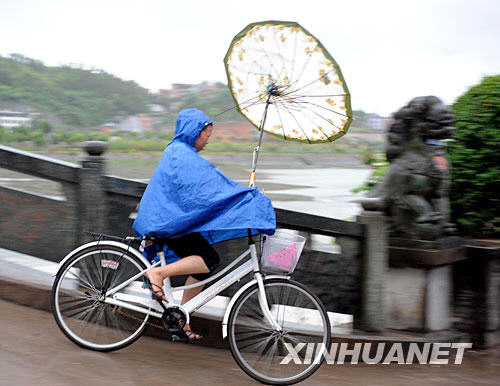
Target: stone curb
(25,294)
(25,286)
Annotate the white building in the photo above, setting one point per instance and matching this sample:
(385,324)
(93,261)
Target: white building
(12,119)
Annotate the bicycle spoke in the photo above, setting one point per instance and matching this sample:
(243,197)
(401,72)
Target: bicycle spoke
(242,337)
(80,312)
(73,303)
(256,345)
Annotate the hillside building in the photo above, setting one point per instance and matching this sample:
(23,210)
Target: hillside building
(12,119)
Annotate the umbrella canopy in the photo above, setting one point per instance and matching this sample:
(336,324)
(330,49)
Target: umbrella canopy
(284,81)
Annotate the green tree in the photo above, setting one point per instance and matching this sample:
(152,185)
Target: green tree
(42,125)
(475,201)
(38,137)
(59,136)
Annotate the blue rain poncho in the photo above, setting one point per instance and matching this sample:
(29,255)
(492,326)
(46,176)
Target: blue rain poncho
(188,194)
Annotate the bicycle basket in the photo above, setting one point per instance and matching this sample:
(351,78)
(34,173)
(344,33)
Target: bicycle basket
(281,252)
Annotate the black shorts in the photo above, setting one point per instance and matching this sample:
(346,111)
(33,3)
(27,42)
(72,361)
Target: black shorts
(195,244)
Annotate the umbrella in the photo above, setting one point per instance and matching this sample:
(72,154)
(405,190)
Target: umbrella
(285,83)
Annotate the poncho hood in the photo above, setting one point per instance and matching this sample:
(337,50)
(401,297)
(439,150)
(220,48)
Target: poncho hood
(188,194)
(190,123)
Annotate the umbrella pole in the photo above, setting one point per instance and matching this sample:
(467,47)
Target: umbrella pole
(257,149)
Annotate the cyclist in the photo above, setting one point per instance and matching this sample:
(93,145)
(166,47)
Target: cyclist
(191,204)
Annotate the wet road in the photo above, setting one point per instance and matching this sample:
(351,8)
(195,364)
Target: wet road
(34,352)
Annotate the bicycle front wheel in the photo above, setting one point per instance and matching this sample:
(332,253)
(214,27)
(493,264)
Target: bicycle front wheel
(78,301)
(279,357)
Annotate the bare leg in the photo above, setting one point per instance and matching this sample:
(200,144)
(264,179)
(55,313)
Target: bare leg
(184,266)
(191,292)
(187,296)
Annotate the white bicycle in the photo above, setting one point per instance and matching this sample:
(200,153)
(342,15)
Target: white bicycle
(100,303)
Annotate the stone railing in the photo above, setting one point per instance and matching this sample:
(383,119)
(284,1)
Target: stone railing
(382,282)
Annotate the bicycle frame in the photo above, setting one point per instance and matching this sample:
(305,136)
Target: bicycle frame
(113,296)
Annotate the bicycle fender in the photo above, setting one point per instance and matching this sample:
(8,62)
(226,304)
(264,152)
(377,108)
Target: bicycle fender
(103,243)
(237,295)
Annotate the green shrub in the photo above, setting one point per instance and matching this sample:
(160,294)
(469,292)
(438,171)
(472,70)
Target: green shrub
(38,137)
(59,136)
(75,137)
(474,154)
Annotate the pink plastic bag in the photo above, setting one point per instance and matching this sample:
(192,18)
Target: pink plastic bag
(285,259)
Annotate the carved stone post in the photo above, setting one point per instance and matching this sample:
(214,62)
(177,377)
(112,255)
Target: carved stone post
(373,272)
(92,208)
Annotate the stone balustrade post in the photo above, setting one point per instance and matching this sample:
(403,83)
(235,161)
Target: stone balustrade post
(92,208)
(374,268)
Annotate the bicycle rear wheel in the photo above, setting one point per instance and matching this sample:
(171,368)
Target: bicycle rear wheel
(78,302)
(270,356)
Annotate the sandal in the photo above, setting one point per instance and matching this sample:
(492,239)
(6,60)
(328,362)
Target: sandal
(157,294)
(191,336)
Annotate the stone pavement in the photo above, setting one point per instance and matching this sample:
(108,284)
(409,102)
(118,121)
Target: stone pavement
(34,352)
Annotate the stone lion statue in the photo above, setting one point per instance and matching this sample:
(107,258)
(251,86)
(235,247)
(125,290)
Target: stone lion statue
(414,192)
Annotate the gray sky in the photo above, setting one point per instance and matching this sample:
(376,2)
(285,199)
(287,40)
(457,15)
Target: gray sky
(389,51)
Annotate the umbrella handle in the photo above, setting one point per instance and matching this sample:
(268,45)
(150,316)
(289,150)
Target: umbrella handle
(257,149)
(251,184)
(254,166)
